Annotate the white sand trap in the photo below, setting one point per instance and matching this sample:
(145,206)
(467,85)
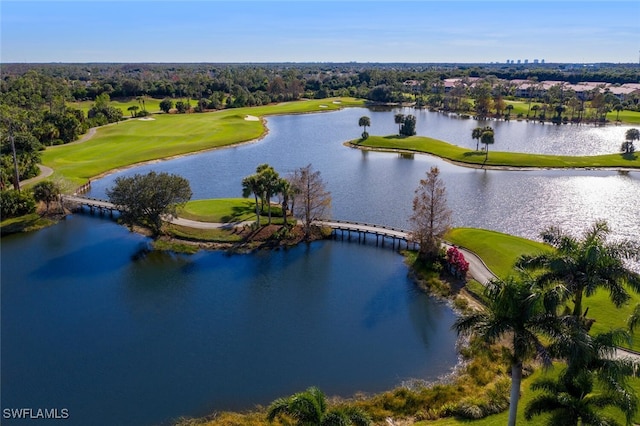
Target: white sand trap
(336,102)
(323,106)
(146,119)
(251,118)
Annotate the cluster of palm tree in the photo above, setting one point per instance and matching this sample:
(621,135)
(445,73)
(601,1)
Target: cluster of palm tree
(630,136)
(264,184)
(484,135)
(541,313)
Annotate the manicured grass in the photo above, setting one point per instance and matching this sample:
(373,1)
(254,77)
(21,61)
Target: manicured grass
(499,159)
(498,251)
(135,141)
(224,210)
(220,210)
(151,104)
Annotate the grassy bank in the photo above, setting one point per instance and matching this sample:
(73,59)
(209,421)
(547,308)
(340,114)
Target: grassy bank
(500,251)
(167,135)
(223,210)
(464,156)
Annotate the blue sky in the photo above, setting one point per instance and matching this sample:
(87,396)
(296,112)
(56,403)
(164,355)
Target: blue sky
(319,31)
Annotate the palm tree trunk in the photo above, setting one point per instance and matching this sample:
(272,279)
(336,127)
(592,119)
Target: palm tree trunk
(255,195)
(516,380)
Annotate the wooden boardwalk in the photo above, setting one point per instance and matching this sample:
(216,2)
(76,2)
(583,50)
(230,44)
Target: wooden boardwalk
(92,204)
(361,230)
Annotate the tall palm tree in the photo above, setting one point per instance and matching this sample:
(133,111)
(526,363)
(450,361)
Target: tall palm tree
(364,122)
(475,134)
(630,136)
(517,309)
(487,138)
(310,408)
(535,109)
(399,119)
(270,181)
(252,185)
(587,264)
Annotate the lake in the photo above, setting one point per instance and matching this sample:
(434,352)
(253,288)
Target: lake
(94,324)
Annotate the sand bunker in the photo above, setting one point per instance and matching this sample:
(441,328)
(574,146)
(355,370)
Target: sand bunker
(146,119)
(323,106)
(251,118)
(336,102)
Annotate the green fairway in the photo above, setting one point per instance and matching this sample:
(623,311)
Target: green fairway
(496,158)
(498,251)
(165,135)
(220,210)
(152,105)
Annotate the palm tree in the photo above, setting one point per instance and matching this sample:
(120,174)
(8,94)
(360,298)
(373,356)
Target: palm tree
(487,138)
(364,122)
(399,120)
(618,108)
(269,181)
(516,309)
(252,185)
(310,408)
(285,188)
(476,134)
(572,398)
(509,108)
(630,136)
(587,264)
(134,109)
(535,109)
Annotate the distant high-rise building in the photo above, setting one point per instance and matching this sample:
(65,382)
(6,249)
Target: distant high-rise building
(526,61)
(535,61)
(542,61)
(518,60)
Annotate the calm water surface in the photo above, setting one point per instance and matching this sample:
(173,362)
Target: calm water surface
(378,187)
(90,325)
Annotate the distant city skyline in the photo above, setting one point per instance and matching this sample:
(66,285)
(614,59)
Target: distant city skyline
(320,31)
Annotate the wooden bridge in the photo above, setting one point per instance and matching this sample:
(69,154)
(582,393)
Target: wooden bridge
(382,233)
(93,204)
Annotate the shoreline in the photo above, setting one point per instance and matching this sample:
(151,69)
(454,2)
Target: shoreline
(102,175)
(482,166)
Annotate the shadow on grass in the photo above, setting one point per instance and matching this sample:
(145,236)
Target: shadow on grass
(474,154)
(629,156)
(396,137)
(240,213)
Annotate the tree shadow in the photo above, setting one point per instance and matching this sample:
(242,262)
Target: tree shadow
(396,137)
(629,156)
(474,154)
(240,213)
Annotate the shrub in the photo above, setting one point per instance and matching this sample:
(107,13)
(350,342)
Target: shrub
(16,203)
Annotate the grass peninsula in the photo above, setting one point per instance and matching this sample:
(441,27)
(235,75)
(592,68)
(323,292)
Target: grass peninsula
(495,159)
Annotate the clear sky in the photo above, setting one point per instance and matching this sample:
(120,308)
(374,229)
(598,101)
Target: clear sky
(319,31)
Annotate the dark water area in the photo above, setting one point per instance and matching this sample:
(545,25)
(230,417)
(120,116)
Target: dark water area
(118,337)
